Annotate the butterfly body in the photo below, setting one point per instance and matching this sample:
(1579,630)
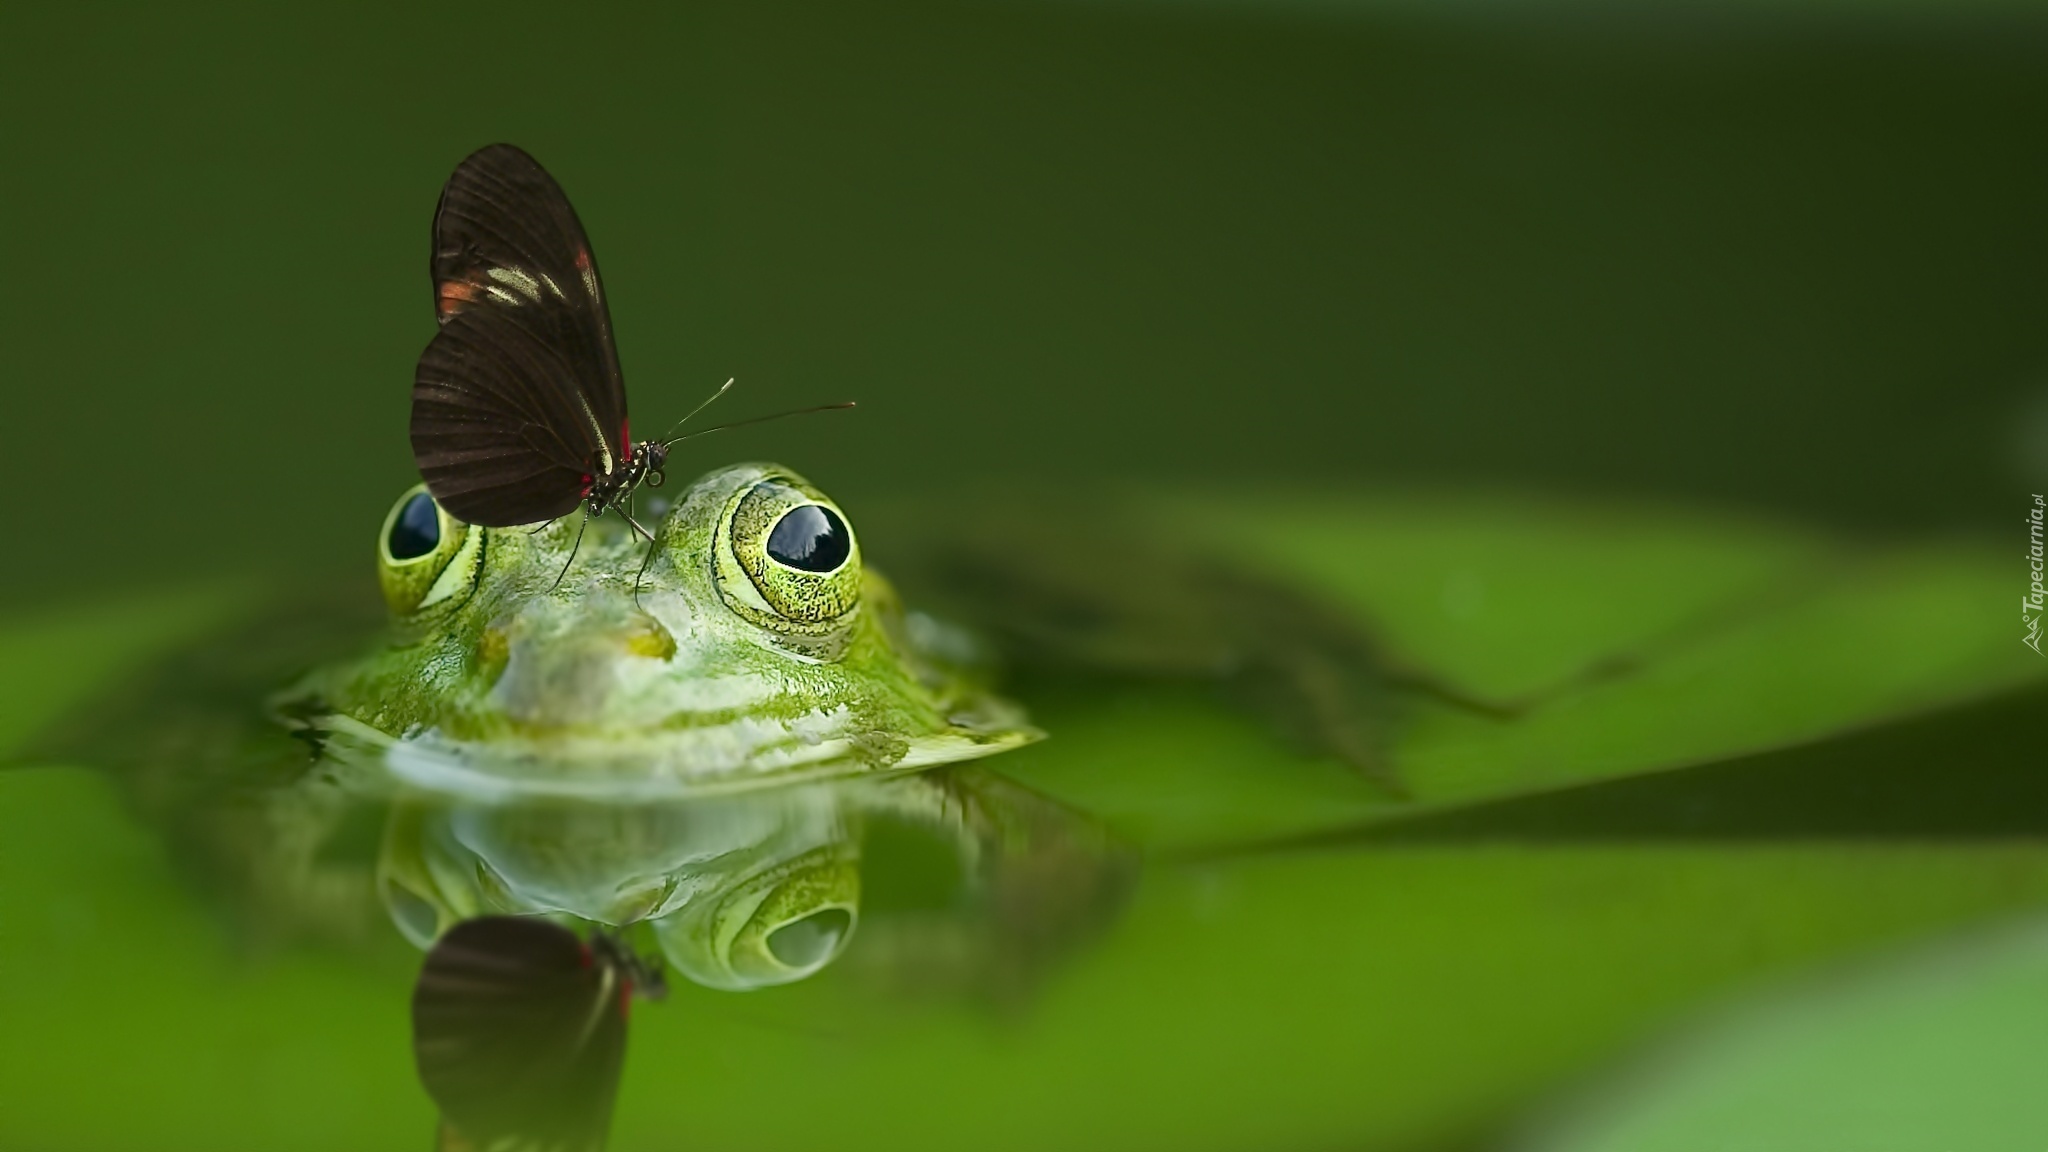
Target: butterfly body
(644,465)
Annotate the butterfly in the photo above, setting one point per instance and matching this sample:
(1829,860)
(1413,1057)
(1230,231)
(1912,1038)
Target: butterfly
(519,1032)
(518,405)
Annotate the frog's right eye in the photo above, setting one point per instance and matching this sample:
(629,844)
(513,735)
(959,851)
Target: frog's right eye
(426,558)
(787,559)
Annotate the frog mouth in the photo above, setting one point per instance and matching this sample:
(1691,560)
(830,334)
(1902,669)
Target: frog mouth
(741,756)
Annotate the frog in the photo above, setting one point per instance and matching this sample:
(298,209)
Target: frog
(565,720)
(564,678)
(745,644)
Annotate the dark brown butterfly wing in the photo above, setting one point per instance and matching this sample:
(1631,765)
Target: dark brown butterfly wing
(500,434)
(518,402)
(519,1032)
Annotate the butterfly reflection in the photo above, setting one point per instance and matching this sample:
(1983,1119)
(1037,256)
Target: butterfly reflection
(519,1031)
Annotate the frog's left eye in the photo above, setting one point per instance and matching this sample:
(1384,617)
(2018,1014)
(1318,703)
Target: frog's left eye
(425,557)
(798,565)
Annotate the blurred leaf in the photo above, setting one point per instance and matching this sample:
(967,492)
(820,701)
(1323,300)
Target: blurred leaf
(55,659)
(1936,1051)
(1644,638)
(1364,1000)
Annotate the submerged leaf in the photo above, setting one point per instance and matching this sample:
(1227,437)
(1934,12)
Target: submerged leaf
(1631,640)
(1937,1050)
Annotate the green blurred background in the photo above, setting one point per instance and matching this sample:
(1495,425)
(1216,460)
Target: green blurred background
(1777,255)
(1781,258)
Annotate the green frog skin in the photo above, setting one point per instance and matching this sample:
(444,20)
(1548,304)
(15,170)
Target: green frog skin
(528,661)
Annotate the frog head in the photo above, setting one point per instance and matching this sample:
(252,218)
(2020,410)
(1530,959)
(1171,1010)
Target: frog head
(747,644)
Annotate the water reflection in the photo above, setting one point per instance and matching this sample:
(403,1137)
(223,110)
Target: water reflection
(520,1026)
(739,891)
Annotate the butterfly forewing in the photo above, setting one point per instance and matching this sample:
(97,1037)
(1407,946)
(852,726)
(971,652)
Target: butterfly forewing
(518,403)
(519,1031)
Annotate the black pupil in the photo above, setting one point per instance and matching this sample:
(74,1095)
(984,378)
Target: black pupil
(417,529)
(810,539)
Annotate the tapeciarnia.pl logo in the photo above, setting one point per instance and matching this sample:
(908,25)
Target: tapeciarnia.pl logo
(2031,605)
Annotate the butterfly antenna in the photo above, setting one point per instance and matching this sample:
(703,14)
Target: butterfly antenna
(573,549)
(759,420)
(722,390)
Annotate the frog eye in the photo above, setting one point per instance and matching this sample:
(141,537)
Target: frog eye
(773,928)
(425,557)
(796,554)
(415,528)
(810,538)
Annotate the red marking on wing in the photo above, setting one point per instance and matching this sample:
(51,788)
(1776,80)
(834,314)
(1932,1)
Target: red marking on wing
(583,259)
(626,434)
(586,491)
(453,295)
(625,999)
(583,955)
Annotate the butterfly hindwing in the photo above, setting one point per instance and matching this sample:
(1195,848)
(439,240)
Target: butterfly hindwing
(498,440)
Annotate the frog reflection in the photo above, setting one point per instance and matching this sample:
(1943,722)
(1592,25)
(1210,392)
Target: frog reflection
(758,888)
(742,891)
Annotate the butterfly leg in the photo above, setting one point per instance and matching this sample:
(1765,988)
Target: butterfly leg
(573,549)
(646,559)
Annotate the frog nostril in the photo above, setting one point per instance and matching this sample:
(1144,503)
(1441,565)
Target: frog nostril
(650,639)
